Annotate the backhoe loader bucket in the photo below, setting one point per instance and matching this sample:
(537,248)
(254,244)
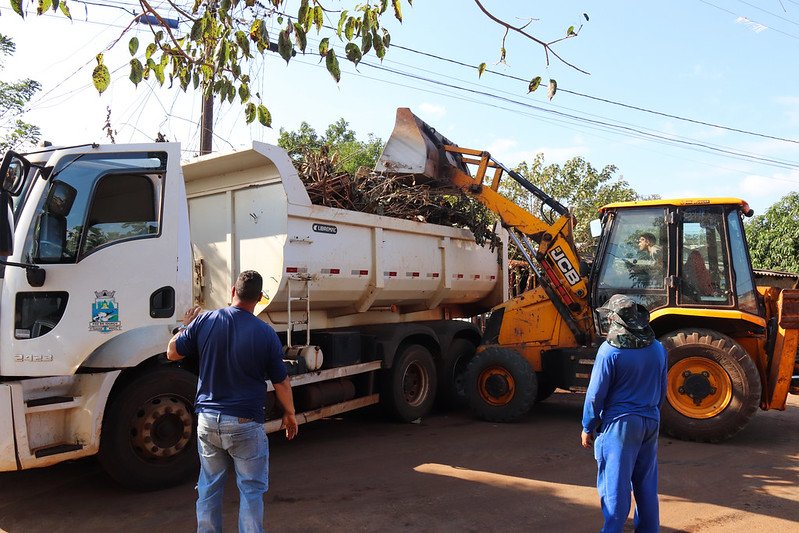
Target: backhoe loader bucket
(415,148)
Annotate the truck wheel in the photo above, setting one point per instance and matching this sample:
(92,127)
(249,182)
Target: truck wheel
(452,373)
(501,385)
(148,438)
(713,386)
(410,384)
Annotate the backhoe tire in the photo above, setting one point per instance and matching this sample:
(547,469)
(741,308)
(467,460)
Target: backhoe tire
(409,386)
(148,438)
(452,373)
(713,386)
(501,385)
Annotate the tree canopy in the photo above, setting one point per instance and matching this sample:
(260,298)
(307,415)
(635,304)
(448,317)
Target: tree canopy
(14,96)
(576,184)
(774,236)
(339,144)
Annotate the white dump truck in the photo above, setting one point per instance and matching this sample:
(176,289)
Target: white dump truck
(106,246)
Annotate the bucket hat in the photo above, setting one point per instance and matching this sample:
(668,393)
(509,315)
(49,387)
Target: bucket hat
(628,323)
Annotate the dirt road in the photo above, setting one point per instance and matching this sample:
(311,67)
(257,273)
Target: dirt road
(448,473)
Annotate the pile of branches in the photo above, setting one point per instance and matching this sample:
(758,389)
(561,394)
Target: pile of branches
(393,195)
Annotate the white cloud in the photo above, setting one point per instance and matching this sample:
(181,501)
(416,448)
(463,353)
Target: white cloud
(508,152)
(432,110)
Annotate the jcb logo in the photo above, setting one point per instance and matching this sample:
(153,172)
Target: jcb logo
(565,266)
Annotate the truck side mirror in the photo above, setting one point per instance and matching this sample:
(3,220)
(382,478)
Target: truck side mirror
(13,171)
(6,225)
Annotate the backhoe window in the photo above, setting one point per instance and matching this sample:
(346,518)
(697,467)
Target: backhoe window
(704,265)
(744,285)
(635,257)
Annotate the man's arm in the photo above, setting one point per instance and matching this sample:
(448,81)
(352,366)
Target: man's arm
(286,399)
(596,394)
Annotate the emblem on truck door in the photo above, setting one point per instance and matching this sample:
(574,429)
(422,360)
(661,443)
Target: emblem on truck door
(565,266)
(105,312)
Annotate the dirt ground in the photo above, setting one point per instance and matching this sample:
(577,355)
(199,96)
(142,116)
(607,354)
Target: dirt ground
(447,473)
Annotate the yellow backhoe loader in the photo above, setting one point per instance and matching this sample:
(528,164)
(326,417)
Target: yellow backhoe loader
(732,345)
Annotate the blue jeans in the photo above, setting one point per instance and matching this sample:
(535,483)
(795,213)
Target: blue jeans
(626,454)
(222,439)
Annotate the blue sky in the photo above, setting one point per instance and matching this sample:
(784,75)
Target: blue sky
(725,62)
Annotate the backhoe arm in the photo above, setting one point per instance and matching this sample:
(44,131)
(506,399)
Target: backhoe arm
(416,148)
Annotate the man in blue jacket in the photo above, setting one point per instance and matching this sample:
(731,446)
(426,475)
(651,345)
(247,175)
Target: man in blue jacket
(237,352)
(622,407)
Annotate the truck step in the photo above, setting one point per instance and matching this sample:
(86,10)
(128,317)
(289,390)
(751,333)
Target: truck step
(50,400)
(58,448)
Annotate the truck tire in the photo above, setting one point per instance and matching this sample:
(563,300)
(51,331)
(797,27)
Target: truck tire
(409,387)
(713,386)
(149,438)
(452,373)
(501,385)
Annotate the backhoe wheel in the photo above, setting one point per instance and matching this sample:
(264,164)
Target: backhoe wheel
(500,385)
(452,373)
(713,386)
(148,438)
(410,384)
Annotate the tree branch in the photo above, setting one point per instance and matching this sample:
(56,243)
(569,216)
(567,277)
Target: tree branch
(544,45)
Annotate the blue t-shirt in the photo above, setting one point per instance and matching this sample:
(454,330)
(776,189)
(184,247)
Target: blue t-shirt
(625,381)
(237,353)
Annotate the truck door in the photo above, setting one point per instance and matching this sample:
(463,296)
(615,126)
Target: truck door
(100,227)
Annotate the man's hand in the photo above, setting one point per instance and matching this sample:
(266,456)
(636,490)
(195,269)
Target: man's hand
(290,423)
(191,314)
(587,438)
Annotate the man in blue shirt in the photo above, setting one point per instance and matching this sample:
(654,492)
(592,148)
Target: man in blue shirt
(237,353)
(622,406)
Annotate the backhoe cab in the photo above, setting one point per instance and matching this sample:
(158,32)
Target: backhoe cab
(732,345)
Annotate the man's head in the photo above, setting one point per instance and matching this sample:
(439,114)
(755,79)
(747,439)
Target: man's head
(248,286)
(628,322)
(646,241)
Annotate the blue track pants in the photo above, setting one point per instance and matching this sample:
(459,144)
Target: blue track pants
(626,452)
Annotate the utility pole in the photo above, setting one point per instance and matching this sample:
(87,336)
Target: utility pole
(207,123)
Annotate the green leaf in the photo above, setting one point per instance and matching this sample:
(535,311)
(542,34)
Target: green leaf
(43,6)
(136,70)
(349,29)
(302,13)
(16,5)
(353,53)
(264,116)
(397,4)
(197,29)
(151,48)
(331,61)
(133,46)
(341,20)
(158,70)
(284,44)
(553,87)
(318,18)
(100,75)
(65,9)
(366,43)
(300,37)
(324,46)
(244,92)
(249,113)
(383,6)
(380,49)
(534,84)
(586,16)
(243,42)
(570,32)
(480,69)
